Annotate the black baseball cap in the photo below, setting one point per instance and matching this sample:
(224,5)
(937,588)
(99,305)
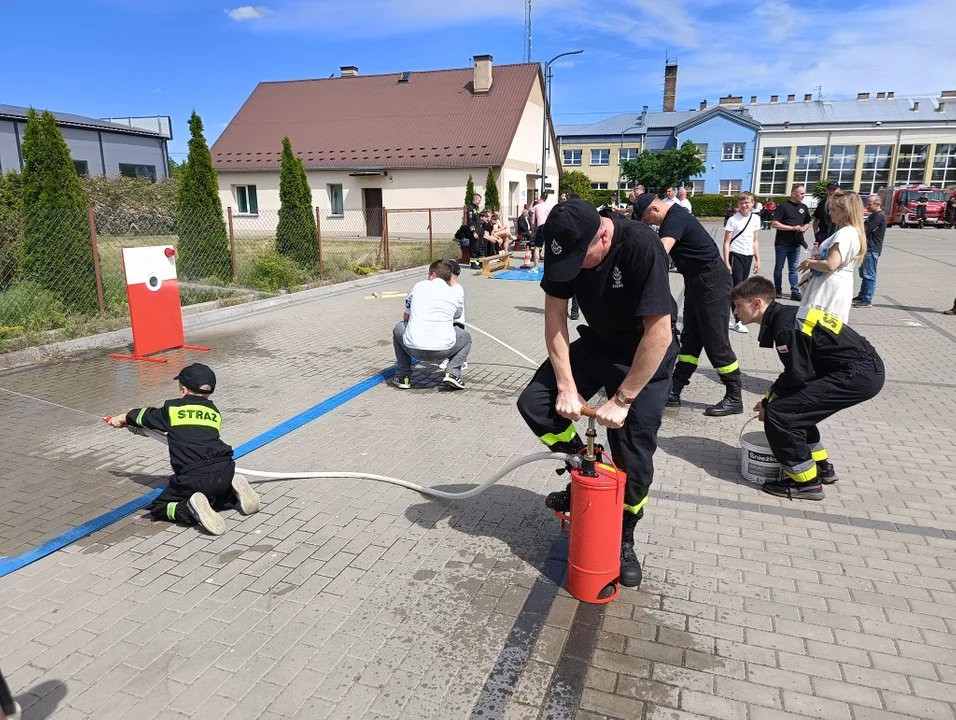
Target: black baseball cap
(833,186)
(197,377)
(643,202)
(568,231)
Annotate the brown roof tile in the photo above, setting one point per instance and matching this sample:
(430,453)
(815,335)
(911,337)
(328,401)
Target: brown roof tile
(373,121)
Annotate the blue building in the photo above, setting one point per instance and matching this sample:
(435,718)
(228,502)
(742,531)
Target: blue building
(727,141)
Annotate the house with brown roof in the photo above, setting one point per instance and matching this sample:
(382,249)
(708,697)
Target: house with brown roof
(399,140)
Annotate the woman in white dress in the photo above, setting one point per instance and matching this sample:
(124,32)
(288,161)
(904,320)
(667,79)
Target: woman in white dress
(830,285)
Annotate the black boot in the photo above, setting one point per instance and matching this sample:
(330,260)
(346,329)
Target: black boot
(568,447)
(826,473)
(559,501)
(631,572)
(673,400)
(732,404)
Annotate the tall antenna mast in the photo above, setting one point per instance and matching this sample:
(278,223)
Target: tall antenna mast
(527,31)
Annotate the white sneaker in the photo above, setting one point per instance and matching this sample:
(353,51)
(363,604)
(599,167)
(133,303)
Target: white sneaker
(248,499)
(444,364)
(208,518)
(740,327)
(733,324)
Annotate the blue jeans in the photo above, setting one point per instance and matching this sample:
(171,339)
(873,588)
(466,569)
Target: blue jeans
(790,255)
(868,273)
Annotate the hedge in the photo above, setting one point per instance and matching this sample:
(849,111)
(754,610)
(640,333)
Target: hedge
(716,205)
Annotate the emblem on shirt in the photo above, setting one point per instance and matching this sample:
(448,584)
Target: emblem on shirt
(782,349)
(616,276)
(555,248)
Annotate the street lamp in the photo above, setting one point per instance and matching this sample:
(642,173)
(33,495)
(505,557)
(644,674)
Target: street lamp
(547,112)
(618,189)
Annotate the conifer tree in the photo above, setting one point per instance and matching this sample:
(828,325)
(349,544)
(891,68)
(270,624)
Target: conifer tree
(469,191)
(296,233)
(491,192)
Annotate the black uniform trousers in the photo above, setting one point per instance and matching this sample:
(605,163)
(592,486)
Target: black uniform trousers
(212,480)
(595,366)
(739,270)
(706,315)
(790,422)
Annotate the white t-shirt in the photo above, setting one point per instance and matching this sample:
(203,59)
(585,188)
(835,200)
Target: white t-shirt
(460,292)
(833,292)
(433,306)
(685,203)
(744,243)
(670,201)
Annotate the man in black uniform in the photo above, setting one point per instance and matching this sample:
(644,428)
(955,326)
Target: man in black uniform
(618,270)
(707,286)
(823,226)
(922,202)
(204,479)
(473,222)
(828,367)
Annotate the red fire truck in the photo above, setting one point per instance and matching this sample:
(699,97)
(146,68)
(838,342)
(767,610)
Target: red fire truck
(899,204)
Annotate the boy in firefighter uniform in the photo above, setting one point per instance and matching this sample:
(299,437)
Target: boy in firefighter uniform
(828,367)
(204,479)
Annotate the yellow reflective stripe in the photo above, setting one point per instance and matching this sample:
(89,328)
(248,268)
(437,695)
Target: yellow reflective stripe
(819,455)
(728,368)
(812,317)
(768,397)
(806,476)
(568,435)
(198,415)
(604,466)
(636,508)
(140,416)
(171,511)
(688,359)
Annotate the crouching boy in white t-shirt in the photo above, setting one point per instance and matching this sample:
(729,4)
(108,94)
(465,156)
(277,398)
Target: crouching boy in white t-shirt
(740,247)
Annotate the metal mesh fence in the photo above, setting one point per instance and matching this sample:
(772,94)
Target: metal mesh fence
(61,270)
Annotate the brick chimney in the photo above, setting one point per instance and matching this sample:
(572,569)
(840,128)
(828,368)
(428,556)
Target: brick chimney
(890,95)
(670,84)
(482,81)
(774,98)
(916,106)
(732,100)
(703,104)
(349,71)
(753,99)
(881,96)
(808,97)
(941,107)
(948,94)
(863,96)
(791,98)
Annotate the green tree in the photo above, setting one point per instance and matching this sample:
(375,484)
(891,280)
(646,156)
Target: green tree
(296,232)
(469,191)
(11,228)
(491,192)
(203,249)
(575,181)
(666,168)
(56,254)
(175,168)
(820,189)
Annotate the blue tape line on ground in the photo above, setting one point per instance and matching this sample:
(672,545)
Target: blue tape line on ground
(15,562)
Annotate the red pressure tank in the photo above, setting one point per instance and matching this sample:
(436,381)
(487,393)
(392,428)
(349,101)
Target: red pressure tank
(594,550)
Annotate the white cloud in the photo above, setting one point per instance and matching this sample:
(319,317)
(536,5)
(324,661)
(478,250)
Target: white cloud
(248,12)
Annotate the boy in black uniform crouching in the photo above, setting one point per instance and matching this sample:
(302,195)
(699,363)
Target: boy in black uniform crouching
(204,479)
(828,367)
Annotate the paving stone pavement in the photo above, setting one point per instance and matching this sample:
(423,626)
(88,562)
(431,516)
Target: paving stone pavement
(349,599)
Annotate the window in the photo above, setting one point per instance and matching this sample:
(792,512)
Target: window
(729,187)
(876,168)
(600,157)
(336,200)
(732,151)
(911,164)
(841,168)
(82,168)
(572,157)
(628,186)
(808,165)
(944,165)
(702,151)
(246,200)
(626,154)
(774,164)
(599,186)
(697,186)
(134,171)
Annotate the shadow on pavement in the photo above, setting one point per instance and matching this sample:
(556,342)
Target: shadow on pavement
(40,702)
(717,459)
(528,309)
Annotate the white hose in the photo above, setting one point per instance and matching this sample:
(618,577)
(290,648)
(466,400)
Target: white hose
(431,492)
(503,344)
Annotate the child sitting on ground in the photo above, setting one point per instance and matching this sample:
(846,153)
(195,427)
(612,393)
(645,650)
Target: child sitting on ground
(204,479)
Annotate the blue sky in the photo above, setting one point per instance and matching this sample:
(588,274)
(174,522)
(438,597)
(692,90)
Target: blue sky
(131,57)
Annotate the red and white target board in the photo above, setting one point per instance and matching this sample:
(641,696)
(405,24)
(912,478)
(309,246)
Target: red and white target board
(154,306)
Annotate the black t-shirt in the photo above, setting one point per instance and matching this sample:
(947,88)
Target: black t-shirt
(629,283)
(695,248)
(822,216)
(875,226)
(790,213)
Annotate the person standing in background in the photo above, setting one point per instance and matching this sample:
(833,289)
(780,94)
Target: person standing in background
(740,247)
(791,219)
(875,227)
(683,201)
(539,214)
